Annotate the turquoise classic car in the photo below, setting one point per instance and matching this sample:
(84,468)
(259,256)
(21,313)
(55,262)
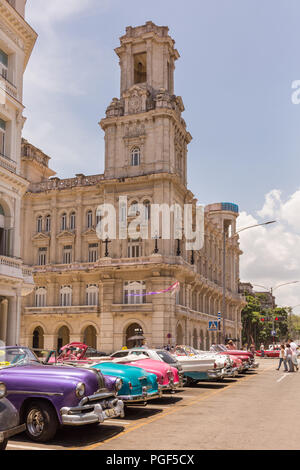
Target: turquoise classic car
(138,386)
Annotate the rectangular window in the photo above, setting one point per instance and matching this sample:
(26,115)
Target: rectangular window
(134,250)
(3,64)
(140,68)
(42,257)
(134,293)
(93,252)
(2,136)
(67,254)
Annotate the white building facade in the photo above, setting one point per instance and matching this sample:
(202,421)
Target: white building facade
(17,40)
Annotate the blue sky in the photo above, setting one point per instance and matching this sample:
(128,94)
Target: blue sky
(238,61)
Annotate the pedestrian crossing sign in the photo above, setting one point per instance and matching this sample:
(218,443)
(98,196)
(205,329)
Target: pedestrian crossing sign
(213,325)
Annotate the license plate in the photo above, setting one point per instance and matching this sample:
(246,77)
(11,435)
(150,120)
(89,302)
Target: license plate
(110,412)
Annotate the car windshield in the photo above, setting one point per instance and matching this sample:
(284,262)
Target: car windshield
(218,348)
(166,357)
(16,356)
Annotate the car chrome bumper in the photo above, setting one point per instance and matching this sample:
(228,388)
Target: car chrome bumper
(92,412)
(140,399)
(170,386)
(231,372)
(11,432)
(215,374)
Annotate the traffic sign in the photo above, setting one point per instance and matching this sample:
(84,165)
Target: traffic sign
(273,333)
(213,325)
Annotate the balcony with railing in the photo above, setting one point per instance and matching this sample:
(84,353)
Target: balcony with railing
(59,310)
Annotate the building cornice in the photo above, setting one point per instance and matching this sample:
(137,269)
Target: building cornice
(18,29)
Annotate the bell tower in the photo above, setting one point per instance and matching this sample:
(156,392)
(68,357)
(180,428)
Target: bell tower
(144,130)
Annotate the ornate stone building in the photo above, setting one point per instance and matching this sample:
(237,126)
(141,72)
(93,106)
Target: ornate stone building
(17,39)
(84,286)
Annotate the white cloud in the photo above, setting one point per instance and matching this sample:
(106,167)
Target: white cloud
(271,253)
(44,13)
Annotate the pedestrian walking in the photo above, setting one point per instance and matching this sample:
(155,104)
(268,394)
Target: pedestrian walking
(289,355)
(294,348)
(252,349)
(262,349)
(282,358)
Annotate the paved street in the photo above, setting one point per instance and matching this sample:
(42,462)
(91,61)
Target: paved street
(256,411)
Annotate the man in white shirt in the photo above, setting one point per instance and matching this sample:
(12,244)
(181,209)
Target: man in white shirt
(294,348)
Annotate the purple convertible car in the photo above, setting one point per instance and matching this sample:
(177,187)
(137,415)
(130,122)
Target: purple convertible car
(48,396)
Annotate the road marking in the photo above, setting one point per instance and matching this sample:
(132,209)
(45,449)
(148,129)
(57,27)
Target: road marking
(282,377)
(17,446)
(166,413)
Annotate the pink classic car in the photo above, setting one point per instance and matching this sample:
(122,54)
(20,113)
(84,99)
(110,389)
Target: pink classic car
(167,376)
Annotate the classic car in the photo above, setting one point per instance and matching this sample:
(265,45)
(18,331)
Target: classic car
(246,356)
(9,419)
(138,385)
(167,376)
(197,368)
(76,351)
(155,354)
(273,352)
(49,396)
(225,362)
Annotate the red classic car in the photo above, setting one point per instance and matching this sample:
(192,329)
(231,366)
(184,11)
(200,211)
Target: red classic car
(245,356)
(274,352)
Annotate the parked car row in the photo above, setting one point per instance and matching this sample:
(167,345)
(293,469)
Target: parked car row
(83,386)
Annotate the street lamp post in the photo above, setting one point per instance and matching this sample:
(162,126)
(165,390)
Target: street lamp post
(224,267)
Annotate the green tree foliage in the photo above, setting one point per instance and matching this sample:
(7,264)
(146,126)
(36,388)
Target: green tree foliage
(254,330)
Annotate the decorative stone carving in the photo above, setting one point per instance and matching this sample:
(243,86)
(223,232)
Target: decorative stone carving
(136,99)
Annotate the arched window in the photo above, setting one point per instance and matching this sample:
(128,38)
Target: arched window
(66,296)
(48,224)
(89,219)
(40,297)
(64,222)
(73,221)
(134,292)
(135,156)
(133,330)
(39,224)
(38,338)
(133,209)
(90,337)
(92,294)
(63,337)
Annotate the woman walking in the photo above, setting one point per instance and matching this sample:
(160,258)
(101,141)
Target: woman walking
(289,357)
(282,358)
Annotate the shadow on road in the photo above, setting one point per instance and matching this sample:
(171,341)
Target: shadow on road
(69,437)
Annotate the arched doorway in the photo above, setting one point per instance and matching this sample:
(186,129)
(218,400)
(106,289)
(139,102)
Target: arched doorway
(179,334)
(63,337)
(133,330)
(38,338)
(90,337)
(195,339)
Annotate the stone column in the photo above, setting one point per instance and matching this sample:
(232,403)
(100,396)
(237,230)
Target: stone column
(3,320)
(106,319)
(79,225)
(12,324)
(52,258)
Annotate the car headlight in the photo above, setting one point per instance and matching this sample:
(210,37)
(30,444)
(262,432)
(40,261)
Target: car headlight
(118,384)
(2,390)
(80,390)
